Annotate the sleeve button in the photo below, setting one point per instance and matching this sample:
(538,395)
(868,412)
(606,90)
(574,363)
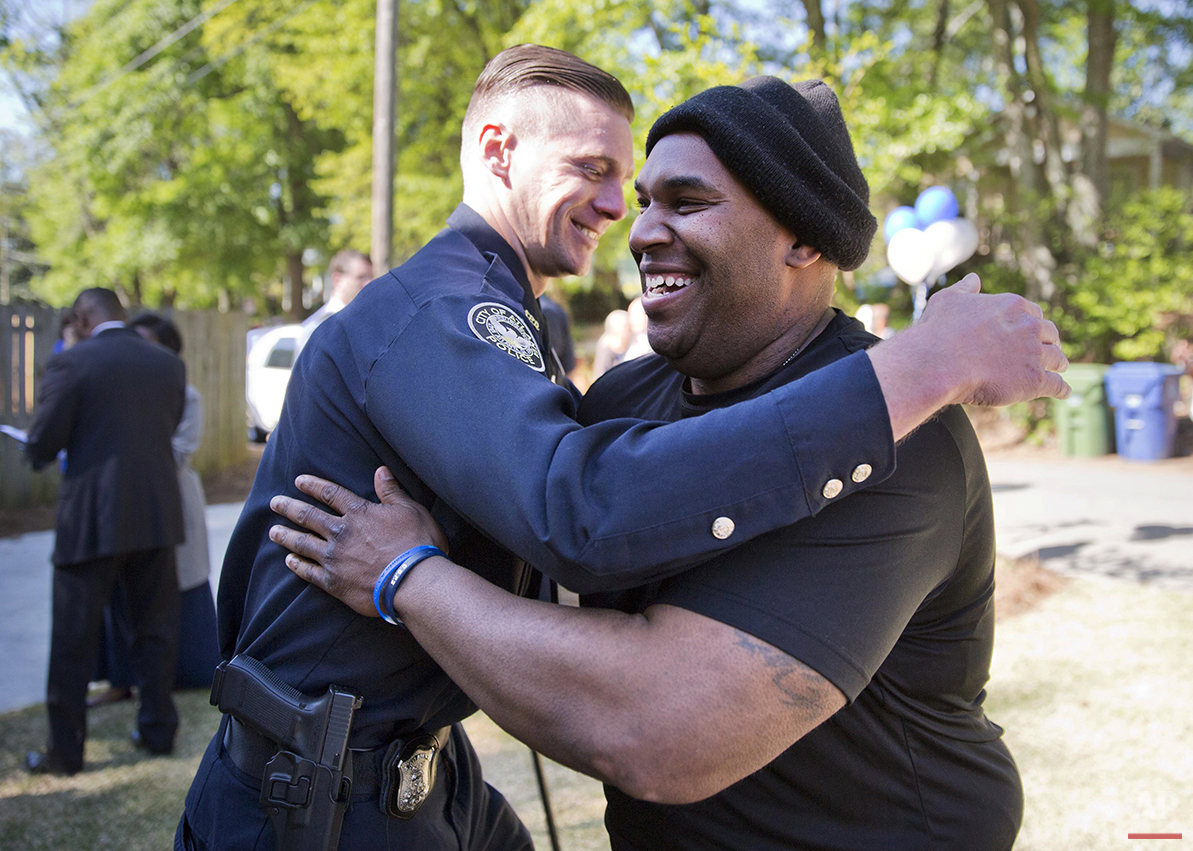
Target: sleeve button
(831,488)
(861,472)
(722,528)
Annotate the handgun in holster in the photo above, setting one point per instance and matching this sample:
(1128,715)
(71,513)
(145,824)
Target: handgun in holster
(306,784)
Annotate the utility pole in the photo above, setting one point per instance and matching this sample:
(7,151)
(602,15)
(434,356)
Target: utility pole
(385,67)
(5,294)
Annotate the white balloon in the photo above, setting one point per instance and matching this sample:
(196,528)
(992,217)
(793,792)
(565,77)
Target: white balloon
(910,255)
(967,235)
(952,242)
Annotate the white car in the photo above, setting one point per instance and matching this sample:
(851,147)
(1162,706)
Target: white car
(267,372)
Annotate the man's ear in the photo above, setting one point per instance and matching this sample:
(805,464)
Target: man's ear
(497,144)
(800,256)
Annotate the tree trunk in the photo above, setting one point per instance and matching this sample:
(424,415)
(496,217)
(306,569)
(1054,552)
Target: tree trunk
(294,283)
(1048,126)
(938,40)
(133,293)
(1025,192)
(1094,123)
(816,25)
(299,212)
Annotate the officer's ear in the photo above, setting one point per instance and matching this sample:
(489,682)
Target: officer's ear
(497,145)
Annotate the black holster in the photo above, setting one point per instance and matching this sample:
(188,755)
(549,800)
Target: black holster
(305,801)
(307,780)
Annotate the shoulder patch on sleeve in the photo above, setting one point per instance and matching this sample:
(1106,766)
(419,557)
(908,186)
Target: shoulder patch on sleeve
(497,324)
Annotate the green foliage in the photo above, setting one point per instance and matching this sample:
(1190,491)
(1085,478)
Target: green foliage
(15,160)
(1000,278)
(171,184)
(1034,420)
(1136,289)
(249,141)
(1155,76)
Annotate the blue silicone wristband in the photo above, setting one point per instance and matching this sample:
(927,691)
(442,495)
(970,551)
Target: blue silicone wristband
(390,578)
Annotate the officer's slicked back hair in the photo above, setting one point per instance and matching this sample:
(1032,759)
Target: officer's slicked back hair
(527,65)
(100,304)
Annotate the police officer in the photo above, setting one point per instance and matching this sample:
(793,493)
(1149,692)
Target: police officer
(438,371)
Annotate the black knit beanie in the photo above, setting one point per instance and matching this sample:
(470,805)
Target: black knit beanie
(790,146)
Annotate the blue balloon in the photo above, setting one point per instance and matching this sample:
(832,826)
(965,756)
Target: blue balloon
(898,219)
(935,204)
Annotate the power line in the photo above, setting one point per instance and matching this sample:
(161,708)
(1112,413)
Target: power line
(146,55)
(220,61)
(216,63)
(958,22)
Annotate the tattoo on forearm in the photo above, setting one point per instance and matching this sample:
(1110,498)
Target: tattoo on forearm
(796,681)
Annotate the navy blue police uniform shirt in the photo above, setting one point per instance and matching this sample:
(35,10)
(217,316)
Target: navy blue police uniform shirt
(889,596)
(437,370)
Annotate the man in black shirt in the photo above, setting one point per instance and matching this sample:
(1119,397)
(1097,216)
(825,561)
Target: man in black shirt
(820,686)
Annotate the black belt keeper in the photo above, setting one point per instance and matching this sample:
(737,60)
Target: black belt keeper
(378,772)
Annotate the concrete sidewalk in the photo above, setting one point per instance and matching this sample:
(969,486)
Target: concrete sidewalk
(25,581)
(1081,515)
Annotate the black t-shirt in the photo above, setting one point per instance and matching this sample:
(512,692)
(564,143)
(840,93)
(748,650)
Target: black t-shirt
(887,594)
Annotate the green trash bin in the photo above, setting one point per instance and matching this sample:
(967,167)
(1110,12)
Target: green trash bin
(1083,420)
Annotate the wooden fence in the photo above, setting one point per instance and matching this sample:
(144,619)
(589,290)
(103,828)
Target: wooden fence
(213,349)
(27,335)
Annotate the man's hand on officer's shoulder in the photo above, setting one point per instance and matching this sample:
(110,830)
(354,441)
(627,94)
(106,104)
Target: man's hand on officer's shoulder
(345,552)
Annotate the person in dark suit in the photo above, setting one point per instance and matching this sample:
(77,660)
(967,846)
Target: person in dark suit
(112,402)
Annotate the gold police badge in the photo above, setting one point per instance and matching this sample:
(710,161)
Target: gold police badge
(497,324)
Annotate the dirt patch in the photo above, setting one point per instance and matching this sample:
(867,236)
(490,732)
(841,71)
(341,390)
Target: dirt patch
(1021,584)
(234,483)
(230,485)
(1003,429)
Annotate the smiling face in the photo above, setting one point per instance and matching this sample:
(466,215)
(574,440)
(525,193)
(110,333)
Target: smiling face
(566,176)
(729,291)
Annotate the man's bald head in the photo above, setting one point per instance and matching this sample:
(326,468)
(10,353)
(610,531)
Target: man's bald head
(95,306)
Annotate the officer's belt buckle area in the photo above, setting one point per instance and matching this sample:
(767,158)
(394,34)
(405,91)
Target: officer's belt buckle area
(408,773)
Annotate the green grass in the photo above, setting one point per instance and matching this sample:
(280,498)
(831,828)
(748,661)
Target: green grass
(127,801)
(122,800)
(578,803)
(1092,686)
